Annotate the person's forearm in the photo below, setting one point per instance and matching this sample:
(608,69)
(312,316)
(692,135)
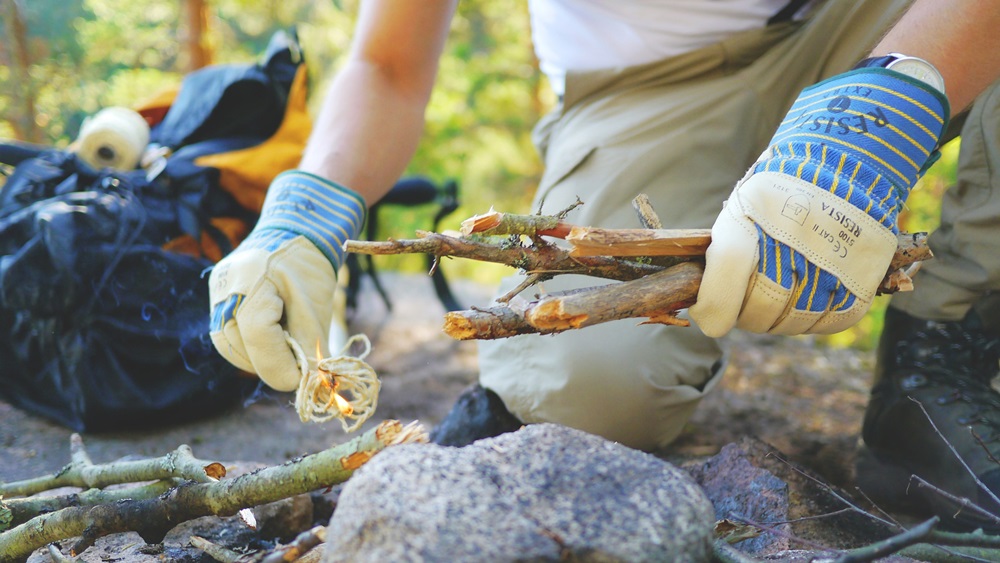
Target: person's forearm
(366,132)
(961,39)
(373,113)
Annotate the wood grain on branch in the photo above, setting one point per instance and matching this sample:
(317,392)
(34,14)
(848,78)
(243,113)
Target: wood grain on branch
(540,258)
(661,293)
(593,241)
(660,270)
(656,297)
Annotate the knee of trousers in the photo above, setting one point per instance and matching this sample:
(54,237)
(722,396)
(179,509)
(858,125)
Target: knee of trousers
(629,383)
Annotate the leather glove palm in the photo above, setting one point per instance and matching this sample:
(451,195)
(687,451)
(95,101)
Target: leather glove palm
(283,277)
(807,235)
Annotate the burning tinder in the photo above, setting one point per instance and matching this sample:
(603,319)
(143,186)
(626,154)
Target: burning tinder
(342,387)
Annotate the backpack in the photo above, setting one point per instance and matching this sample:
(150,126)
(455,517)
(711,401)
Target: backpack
(103,284)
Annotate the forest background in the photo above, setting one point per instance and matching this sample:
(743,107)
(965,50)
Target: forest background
(63,60)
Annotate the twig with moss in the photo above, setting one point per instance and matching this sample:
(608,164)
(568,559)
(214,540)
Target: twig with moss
(152,518)
(81,472)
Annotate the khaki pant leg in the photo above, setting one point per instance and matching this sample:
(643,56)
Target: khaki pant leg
(966,264)
(683,131)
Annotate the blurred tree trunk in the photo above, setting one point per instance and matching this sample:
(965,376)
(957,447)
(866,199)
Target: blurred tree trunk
(198,52)
(18,58)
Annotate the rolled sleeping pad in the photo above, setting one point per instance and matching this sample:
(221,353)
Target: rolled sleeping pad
(115,137)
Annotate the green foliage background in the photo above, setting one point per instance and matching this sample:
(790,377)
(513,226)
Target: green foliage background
(89,54)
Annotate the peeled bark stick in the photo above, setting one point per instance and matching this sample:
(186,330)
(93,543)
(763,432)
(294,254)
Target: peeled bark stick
(539,258)
(80,472)
(616,301)
(653,296)
(153,518)
(910,248)
(594,241)
(656,296)
(644,209)
(491,323)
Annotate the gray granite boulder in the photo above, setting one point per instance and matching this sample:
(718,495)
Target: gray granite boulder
(544,493)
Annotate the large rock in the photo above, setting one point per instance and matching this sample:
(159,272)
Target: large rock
(751,480)
(543,493)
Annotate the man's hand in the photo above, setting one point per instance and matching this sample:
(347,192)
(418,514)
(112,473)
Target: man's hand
(807,235)
(283,277)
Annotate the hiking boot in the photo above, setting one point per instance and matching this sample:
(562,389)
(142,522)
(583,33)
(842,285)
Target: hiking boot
(932,395)
(478,413)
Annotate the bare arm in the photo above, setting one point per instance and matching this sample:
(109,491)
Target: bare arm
(961,39)
(373,114)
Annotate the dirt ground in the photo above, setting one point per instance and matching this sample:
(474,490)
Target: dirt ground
(421,369)
(804,399)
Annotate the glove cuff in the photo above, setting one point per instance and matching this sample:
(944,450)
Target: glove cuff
(889,120)
(325,213)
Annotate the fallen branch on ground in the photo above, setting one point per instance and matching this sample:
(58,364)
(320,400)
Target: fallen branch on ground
(80,472)
(660,270)
(153,517)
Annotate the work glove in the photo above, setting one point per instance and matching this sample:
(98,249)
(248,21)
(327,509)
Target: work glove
(807,235)
(283,277)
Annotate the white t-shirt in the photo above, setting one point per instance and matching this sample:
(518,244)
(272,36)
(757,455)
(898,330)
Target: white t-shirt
(575,35)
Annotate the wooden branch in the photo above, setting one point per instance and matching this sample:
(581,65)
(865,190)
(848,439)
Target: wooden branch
(609,244)
(217,552)
(501,321)
(656,296)
(539,258)
(496,223)
(24,509)
(80,472)
(627,255)
(671,290)
(302,546)
(887,547)
(647,215)
(594,241)
(153,518)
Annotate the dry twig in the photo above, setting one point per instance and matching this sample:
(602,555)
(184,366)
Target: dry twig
(660,270)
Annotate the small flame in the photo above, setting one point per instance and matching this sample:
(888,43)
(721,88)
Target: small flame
(329,381)
(343,405)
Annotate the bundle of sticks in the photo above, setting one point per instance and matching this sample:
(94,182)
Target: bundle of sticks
(659,270)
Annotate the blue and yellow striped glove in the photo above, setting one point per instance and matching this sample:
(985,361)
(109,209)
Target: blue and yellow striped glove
(283,277)
(807,235)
